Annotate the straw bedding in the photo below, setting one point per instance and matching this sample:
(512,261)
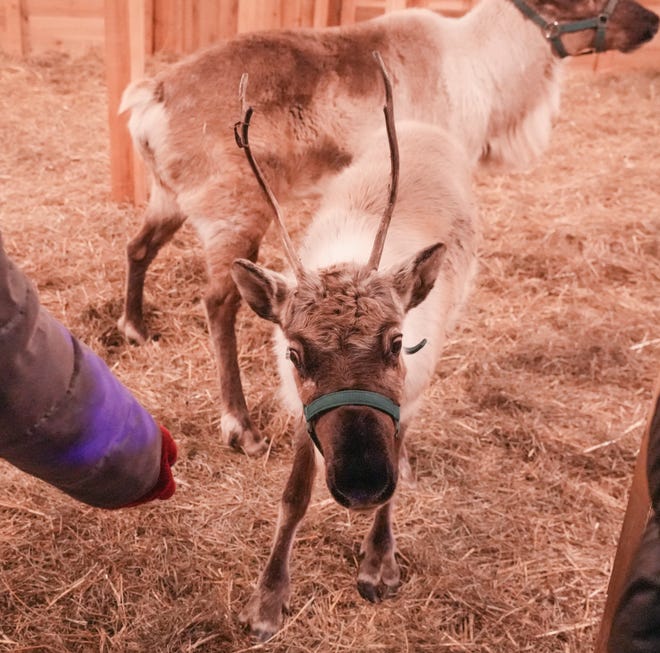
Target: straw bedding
(522,453)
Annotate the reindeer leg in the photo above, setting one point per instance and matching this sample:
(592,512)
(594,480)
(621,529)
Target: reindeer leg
(263,613)
(379,575)
(237,430)
(406,476)
(162,220)
(239,237)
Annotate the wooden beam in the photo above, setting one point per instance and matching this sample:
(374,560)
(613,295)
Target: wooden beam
(228,19)
(297,13)
(124,60)
(168,21)
(149,27)
(632,530)
(348,12)
(394,5)
(321,13)
(16,39)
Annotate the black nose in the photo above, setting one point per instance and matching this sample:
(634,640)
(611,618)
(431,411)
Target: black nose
(652,27)
(362,484)
(362,468)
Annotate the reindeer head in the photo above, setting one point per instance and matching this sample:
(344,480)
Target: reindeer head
(582,26)
(342,325)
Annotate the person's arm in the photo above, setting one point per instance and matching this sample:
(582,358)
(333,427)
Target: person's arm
(636,623)
(64,417)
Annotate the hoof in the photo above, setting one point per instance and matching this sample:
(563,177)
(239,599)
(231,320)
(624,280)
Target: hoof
(263,615)
(242,439)
(378,591)
(136,334)
(379,577)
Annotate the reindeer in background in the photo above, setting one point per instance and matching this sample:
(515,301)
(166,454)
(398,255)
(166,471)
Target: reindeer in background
(343,325)
(491,78)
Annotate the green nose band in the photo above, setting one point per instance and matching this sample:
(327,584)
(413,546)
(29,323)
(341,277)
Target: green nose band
(349,398)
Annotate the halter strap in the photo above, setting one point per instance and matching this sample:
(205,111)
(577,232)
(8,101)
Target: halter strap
(553,30)
(349,398)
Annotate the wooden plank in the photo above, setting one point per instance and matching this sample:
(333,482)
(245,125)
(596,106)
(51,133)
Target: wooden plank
(124,58)
(65,33)
(189,27)
(394,5)
(327,13)
(296,13)
(15,38)
(255,15)
(148,26)
(321,13)
(634,524)
(228,19)
(348,12)
(168,18)
(69,8)
(451,7)
(368,12)
(207,23)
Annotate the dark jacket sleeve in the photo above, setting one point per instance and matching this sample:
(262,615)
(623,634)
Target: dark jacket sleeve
(64,417)
(636,624)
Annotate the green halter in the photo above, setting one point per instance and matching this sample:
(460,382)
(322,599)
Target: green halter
(332,400)
(349,398)
(553,30)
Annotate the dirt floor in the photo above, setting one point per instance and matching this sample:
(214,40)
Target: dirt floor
(523,452)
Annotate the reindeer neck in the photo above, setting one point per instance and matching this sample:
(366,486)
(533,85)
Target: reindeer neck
(502,82)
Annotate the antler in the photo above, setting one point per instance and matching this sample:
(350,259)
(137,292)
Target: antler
(241,129)
(379,241)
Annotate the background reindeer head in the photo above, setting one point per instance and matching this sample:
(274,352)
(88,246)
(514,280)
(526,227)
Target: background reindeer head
(342,325)
(575,26)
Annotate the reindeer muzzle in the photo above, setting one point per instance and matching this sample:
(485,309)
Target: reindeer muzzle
(349,398)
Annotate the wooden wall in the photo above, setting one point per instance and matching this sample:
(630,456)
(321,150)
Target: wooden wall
(181,26)
(178,26)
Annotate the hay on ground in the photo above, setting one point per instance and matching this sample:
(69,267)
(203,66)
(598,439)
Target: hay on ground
(522,453)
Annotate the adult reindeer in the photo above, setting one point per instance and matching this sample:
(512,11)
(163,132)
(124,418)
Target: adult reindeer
(490,78)
(343,322)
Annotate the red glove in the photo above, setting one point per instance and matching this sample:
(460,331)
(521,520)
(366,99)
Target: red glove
(165,485)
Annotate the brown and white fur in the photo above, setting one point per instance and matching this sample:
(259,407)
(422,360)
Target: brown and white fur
(490,78)
(341,325)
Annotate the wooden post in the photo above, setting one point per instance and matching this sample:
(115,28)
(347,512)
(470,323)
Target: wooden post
(124,61)
(16,37)
(297,13)
(326,13)
(254,15)
(394,5)
(321,13)
(348,11)
(634,524)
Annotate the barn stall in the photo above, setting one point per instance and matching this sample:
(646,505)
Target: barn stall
(525,449)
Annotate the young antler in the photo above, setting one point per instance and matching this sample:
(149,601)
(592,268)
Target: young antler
(379,241)
(241,129)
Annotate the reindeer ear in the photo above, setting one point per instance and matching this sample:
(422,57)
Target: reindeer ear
(415,278)
(263,290)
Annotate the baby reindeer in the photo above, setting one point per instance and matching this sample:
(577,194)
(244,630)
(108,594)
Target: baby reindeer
(491,78)
(343,323)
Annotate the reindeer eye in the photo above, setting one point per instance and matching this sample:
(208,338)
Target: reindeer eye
(294,357)
(396,344)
